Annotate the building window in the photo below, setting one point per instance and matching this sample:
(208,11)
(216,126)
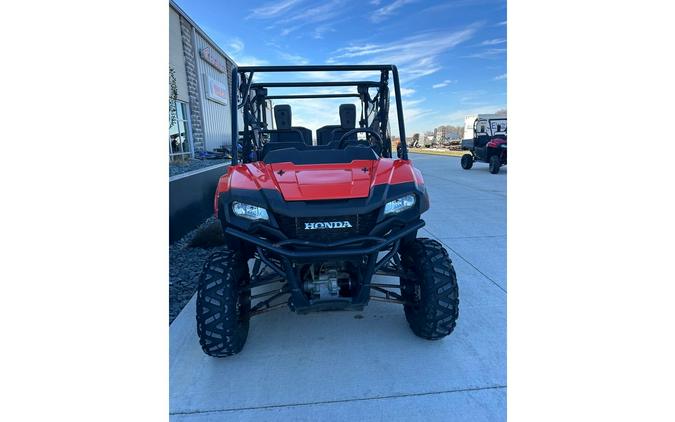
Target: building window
(180,142)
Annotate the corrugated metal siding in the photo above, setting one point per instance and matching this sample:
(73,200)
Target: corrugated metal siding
(217,128)
(176,55)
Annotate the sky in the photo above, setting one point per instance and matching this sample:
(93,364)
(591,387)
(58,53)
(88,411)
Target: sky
(451,54)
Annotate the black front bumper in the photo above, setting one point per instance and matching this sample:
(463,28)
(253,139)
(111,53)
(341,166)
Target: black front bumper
(295,249)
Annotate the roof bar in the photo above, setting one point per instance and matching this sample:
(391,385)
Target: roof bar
(297,97)
(315,68)
(312,84)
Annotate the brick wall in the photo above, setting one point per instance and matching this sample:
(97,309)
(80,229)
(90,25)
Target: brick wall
(193,86)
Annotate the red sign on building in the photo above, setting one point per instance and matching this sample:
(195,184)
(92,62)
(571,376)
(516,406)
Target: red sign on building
(216,90)
(211,58)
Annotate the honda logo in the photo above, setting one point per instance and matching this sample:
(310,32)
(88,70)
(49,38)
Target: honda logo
(328,225)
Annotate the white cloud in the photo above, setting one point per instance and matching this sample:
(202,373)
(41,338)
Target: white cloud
(409,47)
(337,76)
(488,54)
(273,8)
(494,41)
(382,13)
(500,77)
(414,116)
(293,58)
(410,103)
(444,83)
(318,32)
(424,67)
(235,45)
(249,61)
(236,51)
(416,55)
(297,20)
(406,92)
(502,23)
(312,16)
(475,97)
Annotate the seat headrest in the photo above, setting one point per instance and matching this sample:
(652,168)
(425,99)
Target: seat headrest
(282,115)
(347,116)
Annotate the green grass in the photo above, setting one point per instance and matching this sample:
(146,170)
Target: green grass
(436,152)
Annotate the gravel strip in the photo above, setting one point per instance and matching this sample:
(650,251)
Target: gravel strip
(180,167)
(186,259)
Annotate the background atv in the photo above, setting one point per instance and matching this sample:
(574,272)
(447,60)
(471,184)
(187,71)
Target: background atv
(486,147)
(308,224)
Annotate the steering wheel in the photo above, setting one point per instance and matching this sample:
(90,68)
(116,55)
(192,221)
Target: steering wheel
(343,138)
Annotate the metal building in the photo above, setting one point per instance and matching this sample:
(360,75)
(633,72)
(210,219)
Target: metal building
(199,88)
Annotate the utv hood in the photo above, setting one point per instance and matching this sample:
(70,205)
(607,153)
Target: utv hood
(323,181)
(308,182)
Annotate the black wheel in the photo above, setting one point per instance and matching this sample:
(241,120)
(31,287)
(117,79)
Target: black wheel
(433,292)
(495,163)
(467,161)
(223,304)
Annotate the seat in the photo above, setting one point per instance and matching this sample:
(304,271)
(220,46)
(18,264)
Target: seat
(284,132)
(306,134)
(323,134)
(347,123)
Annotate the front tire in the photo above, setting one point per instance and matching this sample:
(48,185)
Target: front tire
(223,304)
(467,161)
(495,164)
(433,292)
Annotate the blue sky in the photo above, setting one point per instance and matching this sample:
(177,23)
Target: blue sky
(451,55)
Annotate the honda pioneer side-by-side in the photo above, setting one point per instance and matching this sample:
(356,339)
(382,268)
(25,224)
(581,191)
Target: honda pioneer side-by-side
(486,141)
(310,220)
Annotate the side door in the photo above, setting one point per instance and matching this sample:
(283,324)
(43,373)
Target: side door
(481,138)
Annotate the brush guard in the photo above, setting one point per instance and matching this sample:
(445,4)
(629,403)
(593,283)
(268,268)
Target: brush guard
(277,262)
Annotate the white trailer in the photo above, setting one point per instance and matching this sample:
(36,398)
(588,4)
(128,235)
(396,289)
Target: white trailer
(490,124)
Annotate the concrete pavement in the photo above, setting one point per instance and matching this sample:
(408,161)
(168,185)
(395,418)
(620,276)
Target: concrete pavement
(368,365)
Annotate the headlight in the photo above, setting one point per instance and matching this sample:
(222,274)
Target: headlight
(249,211)
(401,204)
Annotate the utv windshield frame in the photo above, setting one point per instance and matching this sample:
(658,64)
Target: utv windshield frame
(254,100)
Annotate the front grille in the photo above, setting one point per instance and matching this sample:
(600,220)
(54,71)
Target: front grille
(294,227)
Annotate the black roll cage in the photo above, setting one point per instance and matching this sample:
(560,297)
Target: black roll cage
(489,121)
(254,102)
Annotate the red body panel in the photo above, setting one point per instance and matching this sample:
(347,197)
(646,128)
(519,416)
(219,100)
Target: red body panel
(319,181)
(495,142)
(323,181)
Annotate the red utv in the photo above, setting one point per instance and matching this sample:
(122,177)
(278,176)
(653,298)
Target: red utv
(317,220)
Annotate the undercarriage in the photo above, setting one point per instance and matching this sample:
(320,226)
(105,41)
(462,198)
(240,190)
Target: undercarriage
(325,285)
